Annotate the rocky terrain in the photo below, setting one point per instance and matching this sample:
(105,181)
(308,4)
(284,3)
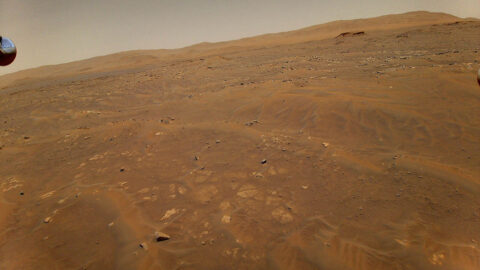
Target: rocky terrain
(348,145)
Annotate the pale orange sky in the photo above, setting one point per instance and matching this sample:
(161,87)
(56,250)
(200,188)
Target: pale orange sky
(57,31)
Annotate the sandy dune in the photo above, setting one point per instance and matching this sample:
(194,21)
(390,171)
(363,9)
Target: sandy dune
(301,150)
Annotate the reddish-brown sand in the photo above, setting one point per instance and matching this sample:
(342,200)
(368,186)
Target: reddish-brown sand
(371,142)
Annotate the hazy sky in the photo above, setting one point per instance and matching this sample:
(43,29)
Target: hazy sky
(57,31)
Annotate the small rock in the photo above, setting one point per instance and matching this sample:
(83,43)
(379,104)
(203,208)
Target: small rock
(122,170)
(26,137)
(143,245)
(159,236)
(478,77)
(111,224)
(47,220)
(182,190)
(169,213)
(217,141)
(264,161)
(258,175)
(196,158)
(325,144)
(21,193)
(226,219)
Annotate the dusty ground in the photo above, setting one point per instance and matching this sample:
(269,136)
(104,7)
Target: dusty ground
(299,150)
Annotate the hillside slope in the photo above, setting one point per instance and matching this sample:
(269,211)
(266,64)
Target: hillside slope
(138,59)
(299,150)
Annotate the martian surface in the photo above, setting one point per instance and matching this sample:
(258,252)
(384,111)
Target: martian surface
(348,145)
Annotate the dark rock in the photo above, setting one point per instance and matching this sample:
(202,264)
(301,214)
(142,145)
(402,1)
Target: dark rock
(251,123)
(348,34)
(264,161)
(159,236)
(478,77)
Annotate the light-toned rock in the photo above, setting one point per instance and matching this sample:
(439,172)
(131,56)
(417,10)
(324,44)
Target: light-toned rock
(225,205)
(247,191)
(182,190)
(169,213)
(226,219)
(282,215)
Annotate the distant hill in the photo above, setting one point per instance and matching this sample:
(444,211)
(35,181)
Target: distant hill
(141,58)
